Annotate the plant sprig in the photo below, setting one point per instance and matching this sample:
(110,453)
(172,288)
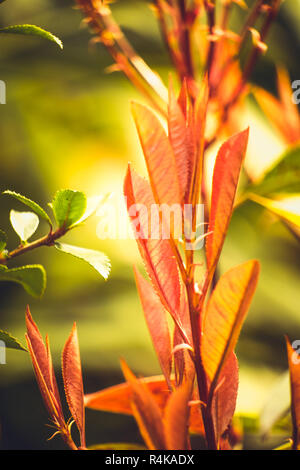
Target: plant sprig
(70,208)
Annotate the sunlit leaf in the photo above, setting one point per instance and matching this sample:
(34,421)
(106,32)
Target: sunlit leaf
(283,177)
(31,277)
(24,223)
(294,367)
(96,259)
(282,112)
(10,341)
(68,207)
(72,375)
(159,156)
(117,399)
(155,316)
(31,204)
(225,179)
(31,30)
(177,417)
(224,316)
(146,411)
(286,446)
(287,208)
(157,254)
(3,240)
(92,205)
(179,138)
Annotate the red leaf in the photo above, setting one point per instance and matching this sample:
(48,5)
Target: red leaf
(177,418)
(183,98)
(159,156)
(155,316)
(157,254)
(224,400)
(42,364)
(179,138)
(117,399)
(146,411)
(225,180)
(72,376)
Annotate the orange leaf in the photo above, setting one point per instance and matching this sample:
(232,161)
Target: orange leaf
(159,156)
(156,253)
(224,316)
(146,410)
(117,399)
(224,399)
(225,179)
(42,364)
(291,115)
(72,376)
(183,98)
(179,138)
(177,418)
(155,316)
(294,367)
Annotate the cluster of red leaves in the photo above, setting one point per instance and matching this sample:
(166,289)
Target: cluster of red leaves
(200,348)
(72,377)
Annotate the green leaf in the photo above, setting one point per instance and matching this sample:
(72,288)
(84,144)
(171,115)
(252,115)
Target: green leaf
(286,446)
(33,205)
(24,224)
(117,446)
(3,240)
(284,177)
(31,30)
(31,277)
(287,208)
(97,259)
(10,341)
(68,207)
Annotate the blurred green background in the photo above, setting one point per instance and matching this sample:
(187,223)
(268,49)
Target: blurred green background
(67,124)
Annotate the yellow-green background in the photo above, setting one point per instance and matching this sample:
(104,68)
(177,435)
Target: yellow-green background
(67,124)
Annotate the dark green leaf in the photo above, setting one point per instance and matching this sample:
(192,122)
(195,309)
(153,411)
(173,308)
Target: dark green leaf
(97,259)
(31,30)
(33,205)
(31,277)
(284,177)
(68,207)
(10,341)
(3,240)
